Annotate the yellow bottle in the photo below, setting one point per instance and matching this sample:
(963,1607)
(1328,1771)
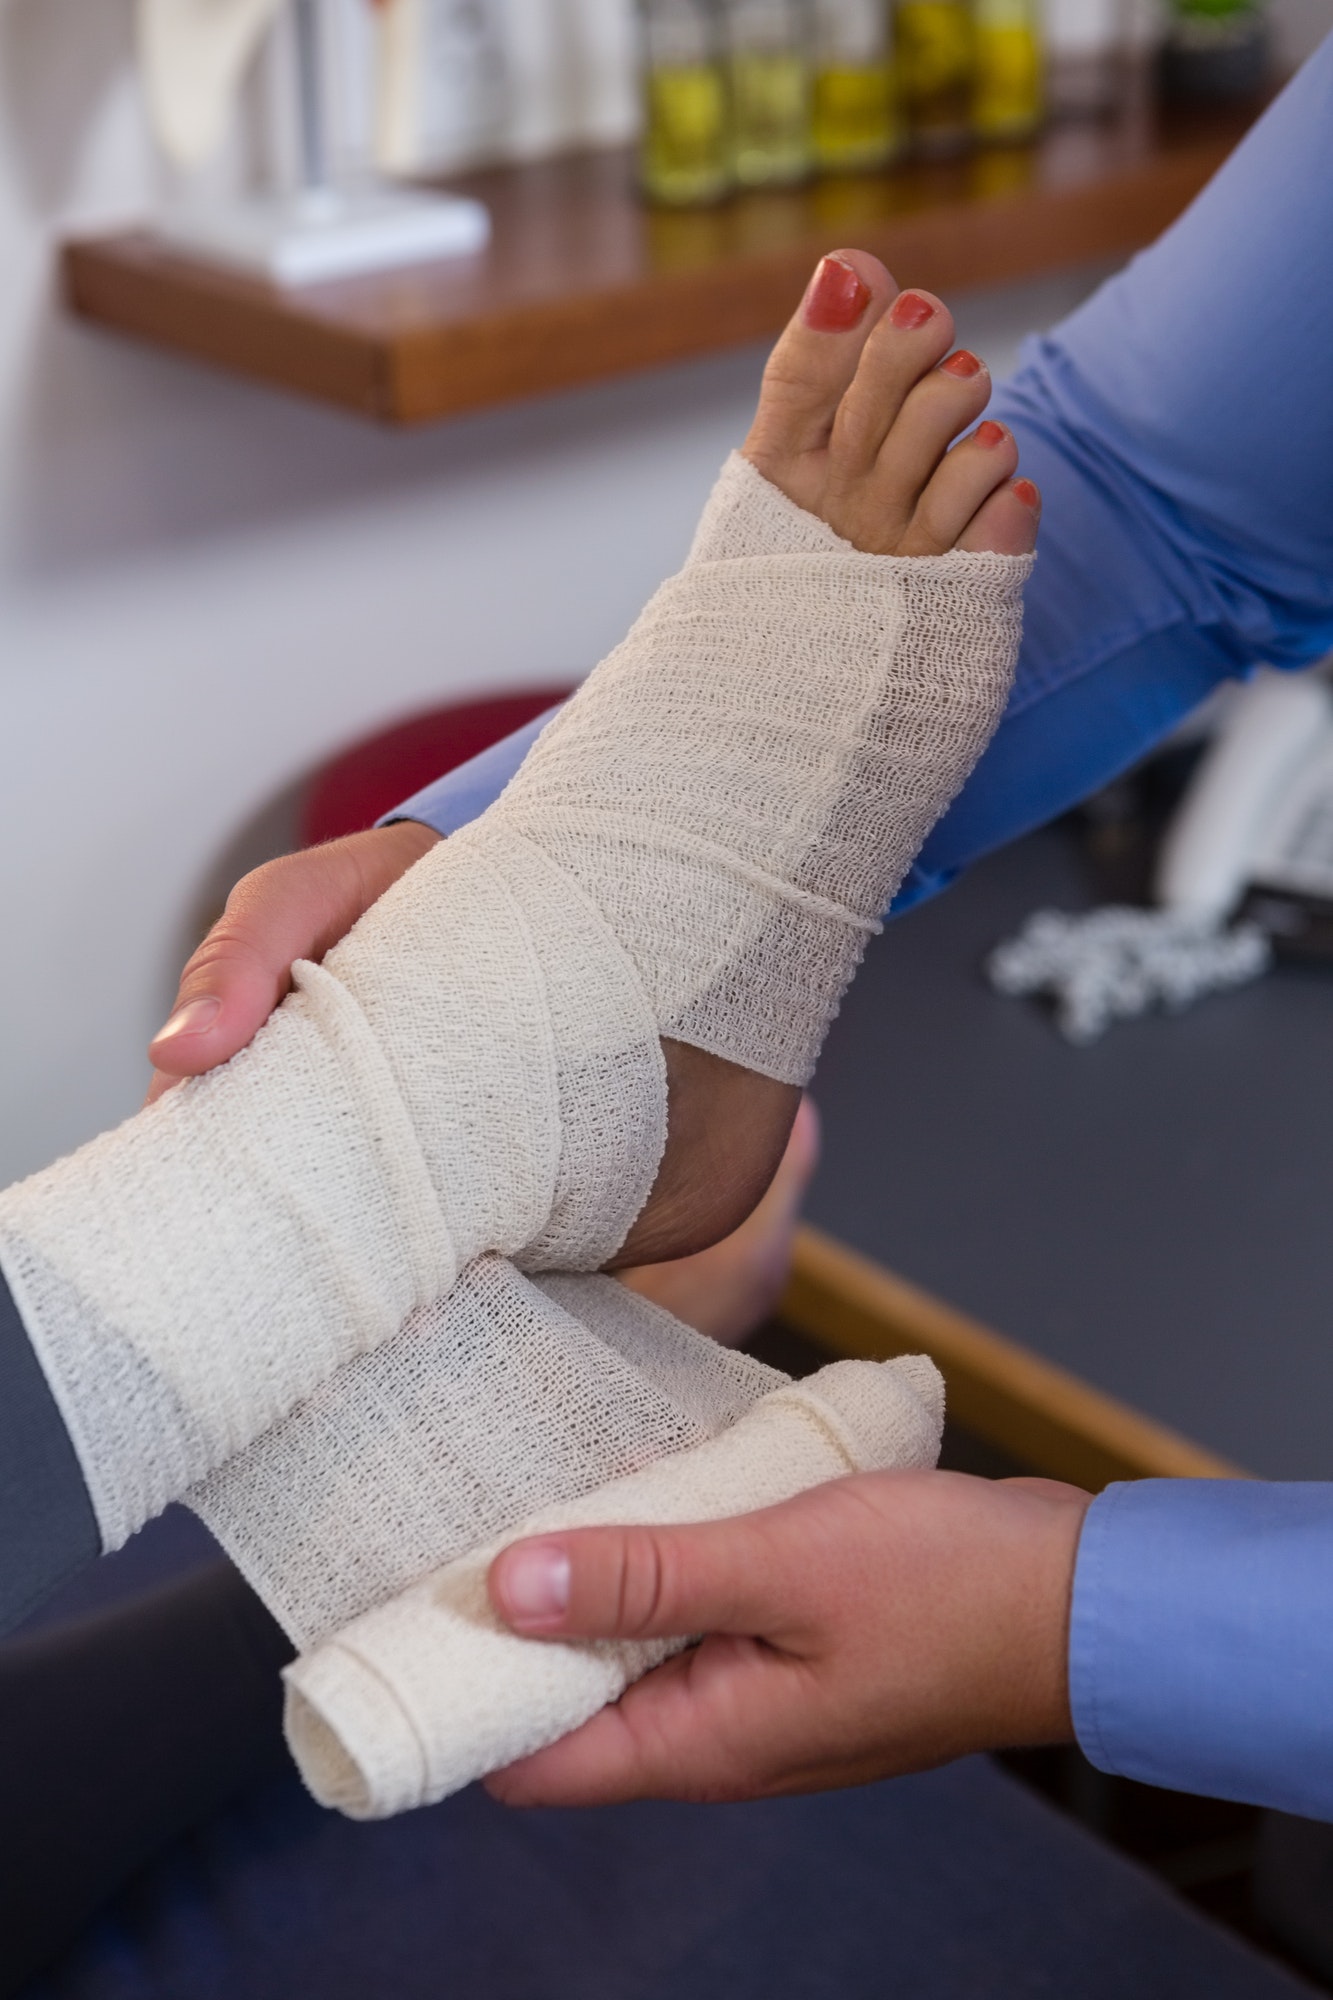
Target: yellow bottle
(857,123)
(1008,92)
(771,78)
(936,55)
(685,152)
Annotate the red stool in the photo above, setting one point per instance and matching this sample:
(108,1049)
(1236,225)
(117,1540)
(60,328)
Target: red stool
(352,791)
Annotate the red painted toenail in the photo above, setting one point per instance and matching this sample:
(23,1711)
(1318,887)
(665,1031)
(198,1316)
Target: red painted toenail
(910,311)
(963,364)
(837,297)
(990,434)
(1025,491)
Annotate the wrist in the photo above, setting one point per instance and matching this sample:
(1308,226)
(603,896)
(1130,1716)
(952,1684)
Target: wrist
(404,836)
(1040,1612)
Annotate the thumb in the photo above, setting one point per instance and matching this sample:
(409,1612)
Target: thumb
(296,907)
(640,1583)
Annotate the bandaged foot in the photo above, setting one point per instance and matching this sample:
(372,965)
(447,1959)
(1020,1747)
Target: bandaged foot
(694,854)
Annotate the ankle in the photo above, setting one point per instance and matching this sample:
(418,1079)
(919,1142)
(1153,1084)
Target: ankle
(727,1129)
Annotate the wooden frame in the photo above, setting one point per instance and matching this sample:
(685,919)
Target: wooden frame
(1038,1413)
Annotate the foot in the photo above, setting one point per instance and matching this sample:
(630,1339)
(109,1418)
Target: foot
(862,401)
(729,1291)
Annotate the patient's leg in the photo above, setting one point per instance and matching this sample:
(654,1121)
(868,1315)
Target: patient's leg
(691,860)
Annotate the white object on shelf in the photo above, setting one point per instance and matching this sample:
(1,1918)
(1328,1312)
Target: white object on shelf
(323,233)
(440,85)
(192,54)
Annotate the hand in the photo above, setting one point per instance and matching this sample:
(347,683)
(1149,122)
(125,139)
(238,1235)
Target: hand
(869,1627)
(297,907)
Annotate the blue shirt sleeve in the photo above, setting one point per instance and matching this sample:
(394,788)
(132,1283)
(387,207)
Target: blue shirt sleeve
(463,794)
(1201,1639)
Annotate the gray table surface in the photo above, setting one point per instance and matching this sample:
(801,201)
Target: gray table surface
(1154,1212)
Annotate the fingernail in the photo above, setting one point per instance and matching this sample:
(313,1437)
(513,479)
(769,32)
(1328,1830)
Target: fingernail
(837,297)
(536,1584)
(190,1019)
(1027,492)
(990,434)
(963,363)
(909,310)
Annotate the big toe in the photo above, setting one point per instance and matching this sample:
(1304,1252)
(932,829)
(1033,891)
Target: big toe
(815,360)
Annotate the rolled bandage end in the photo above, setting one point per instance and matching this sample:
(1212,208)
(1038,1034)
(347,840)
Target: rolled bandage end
(351,1736)
(427,1692)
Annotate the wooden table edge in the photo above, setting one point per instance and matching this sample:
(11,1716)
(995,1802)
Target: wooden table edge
(1000,1390)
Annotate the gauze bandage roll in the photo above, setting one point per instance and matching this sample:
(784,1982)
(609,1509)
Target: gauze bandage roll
(417,1698)
(697,847)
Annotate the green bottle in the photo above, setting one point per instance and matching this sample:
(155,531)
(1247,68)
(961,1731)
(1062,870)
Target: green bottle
(685,154)
(771,72)
(936,59)
(1009,75)
(857,122)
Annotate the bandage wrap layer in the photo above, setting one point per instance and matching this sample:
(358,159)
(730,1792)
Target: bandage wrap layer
(742,784)
(507,1396)
(417,1698)
(697,847)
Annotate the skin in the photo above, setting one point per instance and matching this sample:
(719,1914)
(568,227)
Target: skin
(870,1627)
(876,1625)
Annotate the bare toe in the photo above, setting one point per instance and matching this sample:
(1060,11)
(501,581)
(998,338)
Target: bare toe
(874,501)
(809,371)
(1007,523)
(912,336)
(861,419)
(964,479)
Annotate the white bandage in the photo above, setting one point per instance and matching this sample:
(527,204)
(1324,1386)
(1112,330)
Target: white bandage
(417,1698)
(697,847)
(506,1397)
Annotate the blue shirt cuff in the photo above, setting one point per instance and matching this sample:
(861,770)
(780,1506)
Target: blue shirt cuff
(462,795)
(1201,1639)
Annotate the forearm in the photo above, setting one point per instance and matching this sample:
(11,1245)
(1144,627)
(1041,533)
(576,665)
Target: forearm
(47,1526)
(1201,1640)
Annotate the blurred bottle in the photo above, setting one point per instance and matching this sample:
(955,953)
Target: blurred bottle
(857,123)
(1214,49)
(440,84)
(685,157)
(1009,83)
(935,45)
(771,73)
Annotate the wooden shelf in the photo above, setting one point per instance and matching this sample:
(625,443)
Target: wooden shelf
(582,282)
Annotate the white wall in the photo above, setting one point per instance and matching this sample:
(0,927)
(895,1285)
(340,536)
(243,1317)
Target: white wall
(205,587)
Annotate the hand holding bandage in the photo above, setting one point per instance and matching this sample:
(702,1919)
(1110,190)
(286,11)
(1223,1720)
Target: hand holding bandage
(417,1698)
